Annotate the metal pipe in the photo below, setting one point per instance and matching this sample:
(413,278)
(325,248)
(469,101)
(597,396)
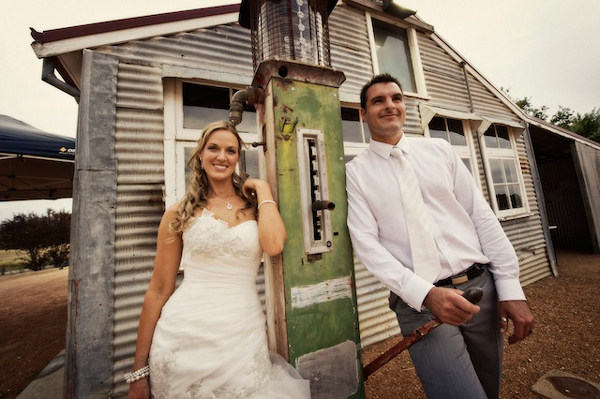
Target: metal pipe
(323,205)
(250,95)
(463,64)
(48,76)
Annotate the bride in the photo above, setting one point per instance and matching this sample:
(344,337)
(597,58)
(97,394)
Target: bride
(207,339)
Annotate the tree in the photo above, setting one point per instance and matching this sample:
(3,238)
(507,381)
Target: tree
(587,125)
(563,117)
(526,105)
(42,237)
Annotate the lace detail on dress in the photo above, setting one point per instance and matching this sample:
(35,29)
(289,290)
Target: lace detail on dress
(193,391)
(211,236)
(160,376)
(262,371)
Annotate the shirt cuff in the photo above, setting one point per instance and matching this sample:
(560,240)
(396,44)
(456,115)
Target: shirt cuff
(416,292)
(509,290)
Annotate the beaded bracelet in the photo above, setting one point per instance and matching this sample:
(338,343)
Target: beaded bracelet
(137,375)
(266,202)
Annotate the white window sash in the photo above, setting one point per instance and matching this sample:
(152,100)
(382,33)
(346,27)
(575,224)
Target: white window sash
(177,139)
(415,55)
(466,151)
(505,153)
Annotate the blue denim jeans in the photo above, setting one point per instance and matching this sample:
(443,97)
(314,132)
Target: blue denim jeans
(463,362)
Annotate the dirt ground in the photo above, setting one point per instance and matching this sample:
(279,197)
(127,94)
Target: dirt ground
(33,315)
(566,337)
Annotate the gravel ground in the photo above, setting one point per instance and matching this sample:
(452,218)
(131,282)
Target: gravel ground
(566,337)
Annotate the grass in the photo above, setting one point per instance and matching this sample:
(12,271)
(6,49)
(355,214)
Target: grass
(12,260)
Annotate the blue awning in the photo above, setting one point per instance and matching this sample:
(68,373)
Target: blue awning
(34,164)
(19,138)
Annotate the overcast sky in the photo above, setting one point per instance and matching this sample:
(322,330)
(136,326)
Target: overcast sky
(544,49)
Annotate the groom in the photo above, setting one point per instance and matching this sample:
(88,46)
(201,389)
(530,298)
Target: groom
(421,226)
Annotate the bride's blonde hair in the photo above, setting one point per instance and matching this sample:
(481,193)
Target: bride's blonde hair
(198,187)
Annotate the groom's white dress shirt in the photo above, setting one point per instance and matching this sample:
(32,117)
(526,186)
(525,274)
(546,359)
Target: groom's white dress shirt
(465,229)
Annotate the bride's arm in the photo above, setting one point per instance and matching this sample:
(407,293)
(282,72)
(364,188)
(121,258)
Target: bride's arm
(271,230)
(168,256)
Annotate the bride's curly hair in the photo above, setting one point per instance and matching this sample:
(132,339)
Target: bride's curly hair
(199,188)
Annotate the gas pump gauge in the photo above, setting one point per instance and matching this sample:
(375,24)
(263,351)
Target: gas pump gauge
(314,191)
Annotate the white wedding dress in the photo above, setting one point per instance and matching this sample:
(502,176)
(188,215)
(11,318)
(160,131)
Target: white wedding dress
(210,340)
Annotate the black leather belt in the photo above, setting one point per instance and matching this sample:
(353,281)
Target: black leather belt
(474,271)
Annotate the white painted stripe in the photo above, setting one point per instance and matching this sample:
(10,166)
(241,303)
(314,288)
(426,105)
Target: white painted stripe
(326,291)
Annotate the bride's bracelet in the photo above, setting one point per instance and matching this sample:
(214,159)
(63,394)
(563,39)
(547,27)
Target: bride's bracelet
(266,202)
(137,375)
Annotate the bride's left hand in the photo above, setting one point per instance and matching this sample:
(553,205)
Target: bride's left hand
(255,187)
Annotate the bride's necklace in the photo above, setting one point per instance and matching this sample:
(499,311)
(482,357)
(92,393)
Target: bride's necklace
(228,202)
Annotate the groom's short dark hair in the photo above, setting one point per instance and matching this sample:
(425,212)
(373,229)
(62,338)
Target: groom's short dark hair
(381,78)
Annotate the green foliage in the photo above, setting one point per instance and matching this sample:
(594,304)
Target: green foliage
(586,125)
(563,117)
(526,105)
(44,238)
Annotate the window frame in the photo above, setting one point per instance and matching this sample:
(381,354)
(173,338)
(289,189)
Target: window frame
(467,151)
(413,46)
(177,138)
(504,154)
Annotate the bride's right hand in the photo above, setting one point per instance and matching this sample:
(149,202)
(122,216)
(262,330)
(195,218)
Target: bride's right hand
(139,389)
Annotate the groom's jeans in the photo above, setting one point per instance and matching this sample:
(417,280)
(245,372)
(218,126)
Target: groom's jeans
(463,362)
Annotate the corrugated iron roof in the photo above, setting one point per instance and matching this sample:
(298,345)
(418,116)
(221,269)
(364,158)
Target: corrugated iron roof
(128,23)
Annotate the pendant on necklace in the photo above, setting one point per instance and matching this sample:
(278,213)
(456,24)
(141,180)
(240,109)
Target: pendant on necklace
(229,206)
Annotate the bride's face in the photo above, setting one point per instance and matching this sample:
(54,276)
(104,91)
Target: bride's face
(220,155)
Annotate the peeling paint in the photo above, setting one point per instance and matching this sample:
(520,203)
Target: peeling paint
(333,372)
(325,291)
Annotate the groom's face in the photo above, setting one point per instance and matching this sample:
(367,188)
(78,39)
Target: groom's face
(385,112)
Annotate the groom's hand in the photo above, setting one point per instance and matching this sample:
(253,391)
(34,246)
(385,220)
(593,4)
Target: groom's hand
(449,306)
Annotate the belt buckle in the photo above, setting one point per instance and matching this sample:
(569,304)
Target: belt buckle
(460,280)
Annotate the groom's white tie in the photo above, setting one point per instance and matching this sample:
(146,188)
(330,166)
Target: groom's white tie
(424,251)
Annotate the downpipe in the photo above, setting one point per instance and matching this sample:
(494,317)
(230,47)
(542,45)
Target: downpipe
(48,76)
(249,96)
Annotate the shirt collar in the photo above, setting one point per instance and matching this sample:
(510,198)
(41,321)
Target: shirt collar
(384,150)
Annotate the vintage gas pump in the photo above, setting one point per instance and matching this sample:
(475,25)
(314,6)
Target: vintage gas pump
(313,316)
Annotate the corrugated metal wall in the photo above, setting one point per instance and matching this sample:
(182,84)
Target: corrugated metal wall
(588,172)
(139,148)
(350,51)
(525,233)
(447,87)
(140,166)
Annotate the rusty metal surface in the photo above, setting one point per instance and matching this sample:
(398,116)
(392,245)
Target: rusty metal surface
(574,388)
(297,71)
(290,30)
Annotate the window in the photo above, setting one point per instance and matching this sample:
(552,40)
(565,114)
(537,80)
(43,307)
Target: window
(355,131)
(504,172)
(205,104)
(188,108)
(353,127)
(393,53)
(453,131)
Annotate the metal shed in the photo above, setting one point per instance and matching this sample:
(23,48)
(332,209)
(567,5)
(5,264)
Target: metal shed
(136,77)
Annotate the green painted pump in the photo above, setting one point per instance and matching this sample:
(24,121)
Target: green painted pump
(311,297)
